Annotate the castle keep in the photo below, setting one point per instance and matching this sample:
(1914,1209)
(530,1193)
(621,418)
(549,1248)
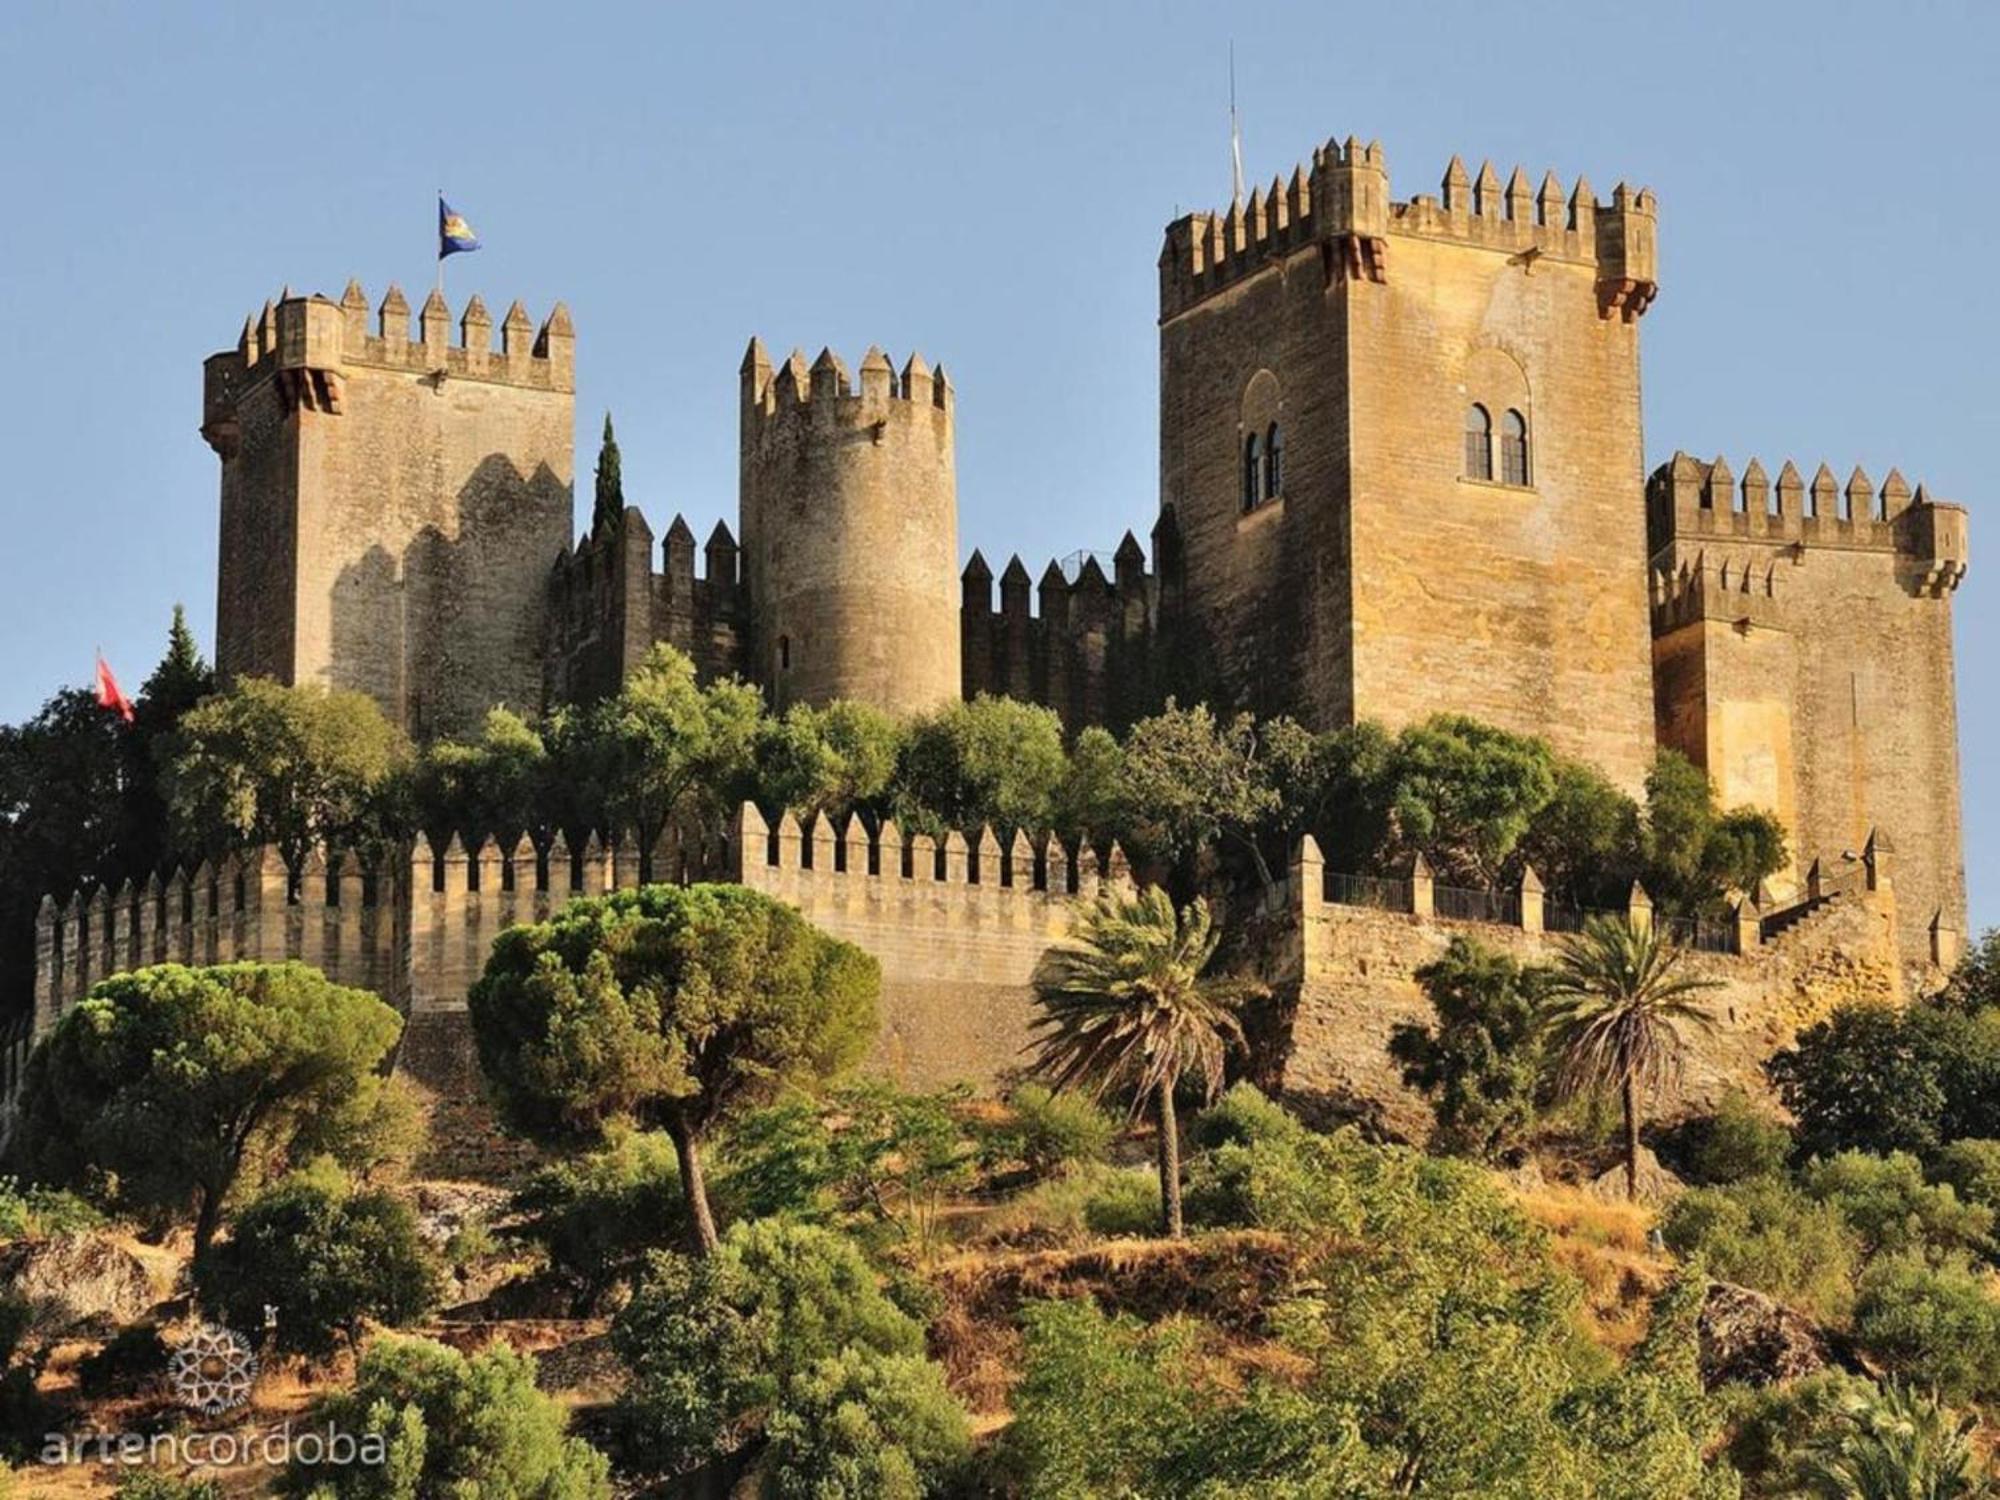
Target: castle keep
(1402,472)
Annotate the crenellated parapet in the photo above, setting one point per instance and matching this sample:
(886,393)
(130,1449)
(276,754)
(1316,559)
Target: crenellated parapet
(1075,642)
(336,911)
(307,345)
(1703,515)
(1339,205)
(612,596)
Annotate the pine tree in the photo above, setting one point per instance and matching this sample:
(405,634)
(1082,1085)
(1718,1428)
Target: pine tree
(182,678)
(610,506)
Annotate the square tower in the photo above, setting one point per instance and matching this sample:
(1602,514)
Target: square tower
(391,509)
(1400,443)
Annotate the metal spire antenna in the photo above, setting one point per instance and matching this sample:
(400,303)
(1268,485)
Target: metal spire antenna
(1235,134)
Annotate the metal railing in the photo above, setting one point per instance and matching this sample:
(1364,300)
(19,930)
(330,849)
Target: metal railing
(1368,890)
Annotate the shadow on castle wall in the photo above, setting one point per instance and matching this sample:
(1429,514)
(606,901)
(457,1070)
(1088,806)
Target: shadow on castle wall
(452,624)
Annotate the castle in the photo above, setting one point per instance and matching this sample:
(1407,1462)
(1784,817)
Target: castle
(1401,470)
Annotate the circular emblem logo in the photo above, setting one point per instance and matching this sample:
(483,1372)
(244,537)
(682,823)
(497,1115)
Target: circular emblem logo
(213,1371)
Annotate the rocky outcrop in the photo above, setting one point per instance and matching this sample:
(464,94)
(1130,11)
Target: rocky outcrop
(74,1281)
(1757,1340)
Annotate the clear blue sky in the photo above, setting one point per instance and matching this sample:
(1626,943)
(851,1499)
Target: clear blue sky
(987,184)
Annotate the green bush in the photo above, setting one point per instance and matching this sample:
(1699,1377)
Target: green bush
(470,1428)
(151,1484)
(1053,1132)
(1972,1168)
(1479,1060)
(1738,1141)
(1296,1185)
(1767,1234)
(1886,1201)
(1124,1202)
(866,1426)
(36,1213)
(596,1216)
(716,1344)
(1770,1427)
(130,1360)
(326,1257)
(1936,1325)
(1243,1115)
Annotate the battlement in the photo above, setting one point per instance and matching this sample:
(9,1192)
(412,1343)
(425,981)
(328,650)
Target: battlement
(1339,204)
(1691,503)
(307,344)
(825,389)
(1074,645)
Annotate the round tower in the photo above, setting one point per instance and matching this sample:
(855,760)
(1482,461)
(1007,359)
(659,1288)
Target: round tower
(849,513)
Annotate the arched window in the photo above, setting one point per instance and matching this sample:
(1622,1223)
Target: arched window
(784,653)
(1478,443)
(1253,470)
(1274,463)
(1514,449)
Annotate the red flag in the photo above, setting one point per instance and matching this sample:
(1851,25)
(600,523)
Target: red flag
(108,694)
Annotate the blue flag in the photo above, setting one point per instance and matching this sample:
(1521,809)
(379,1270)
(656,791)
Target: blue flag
(455,236)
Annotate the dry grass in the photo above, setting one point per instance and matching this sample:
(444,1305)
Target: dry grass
(1604,1245)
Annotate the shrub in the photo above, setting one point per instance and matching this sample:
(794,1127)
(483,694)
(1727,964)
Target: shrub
(1886,1201)
(1243,1114)
(1480,1059)
(326,1257)
(1936,1325)
(866,1426)
(1738,1141)
(130,1360)
(150,1484)
(714,1344)
(1297,1185)
(1125,1202)
(1766,1234)
(38,1212)
(1972,1168)
(472,1428)
(596,1216)
(1053,1132)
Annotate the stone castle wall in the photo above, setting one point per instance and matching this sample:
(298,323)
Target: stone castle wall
(961,928)
(1803,657)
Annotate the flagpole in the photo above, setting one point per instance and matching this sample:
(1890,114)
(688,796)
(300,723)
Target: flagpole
(439,246)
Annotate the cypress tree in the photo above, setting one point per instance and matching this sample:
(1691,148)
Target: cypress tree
(610,506)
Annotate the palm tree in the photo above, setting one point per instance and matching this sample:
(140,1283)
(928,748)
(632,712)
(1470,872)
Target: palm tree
(1895,1446)
(1125,1009)
(1615,1010)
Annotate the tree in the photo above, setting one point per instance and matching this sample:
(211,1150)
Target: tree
(1894,1444)
(1873,1078)
(715,1345)
(1585,841)
(326,1257)
(291,766)
(666,746)
(1975,980)
(675,1007)
(865,1426)
(500,785)
(993,760)
(1694,852)
(1125,1008)
(1481,1061)
(1616,1007)
(474,1428)
(835,760)
(1191,779)
(177,1080)
(608,508)
(1465,793)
